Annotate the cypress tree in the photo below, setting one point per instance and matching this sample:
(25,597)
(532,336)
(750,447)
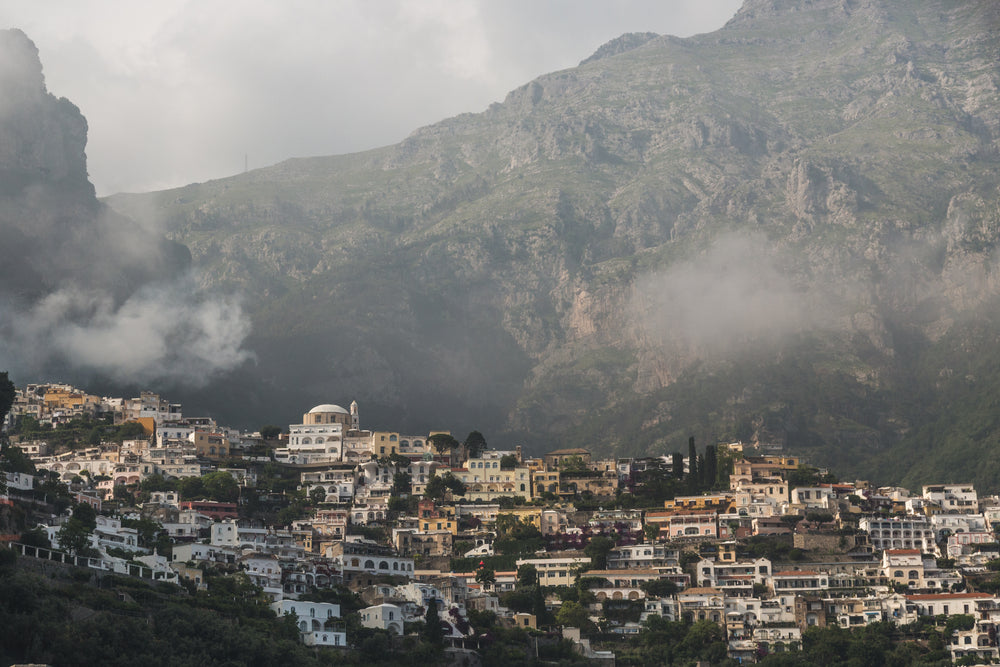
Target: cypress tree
(711,465)
(432,624)
(692,460)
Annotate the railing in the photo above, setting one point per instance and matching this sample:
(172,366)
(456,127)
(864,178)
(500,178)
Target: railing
(130,569)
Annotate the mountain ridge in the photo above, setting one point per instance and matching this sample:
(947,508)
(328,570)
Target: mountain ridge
(547,266)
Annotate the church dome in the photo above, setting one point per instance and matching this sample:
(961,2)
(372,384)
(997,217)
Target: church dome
(329,407)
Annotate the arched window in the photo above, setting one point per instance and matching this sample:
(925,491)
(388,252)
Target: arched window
(383,565)
(369,565)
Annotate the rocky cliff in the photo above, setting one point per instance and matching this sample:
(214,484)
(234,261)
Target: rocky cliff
(86,293)
(768,232)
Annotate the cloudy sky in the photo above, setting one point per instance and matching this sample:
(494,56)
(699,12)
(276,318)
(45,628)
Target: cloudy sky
(178,91)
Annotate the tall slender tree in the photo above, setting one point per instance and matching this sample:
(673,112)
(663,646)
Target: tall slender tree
(433,632)
(677,465)
(692,459)
(711,466)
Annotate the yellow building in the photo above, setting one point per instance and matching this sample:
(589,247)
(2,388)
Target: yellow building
(532,515)
(555,458)
(556,571)
(211,445)
(717,501)
(385,443)
(65,398)
(484,479)
(545,481)
(439,523)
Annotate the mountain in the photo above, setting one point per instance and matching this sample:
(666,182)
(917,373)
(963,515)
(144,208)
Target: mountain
(86,294)
(783,231)
(53,231)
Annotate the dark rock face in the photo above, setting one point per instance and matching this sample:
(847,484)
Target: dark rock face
(53,231)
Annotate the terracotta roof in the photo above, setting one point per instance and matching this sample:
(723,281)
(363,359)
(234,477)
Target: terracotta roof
(947,596)
(700,591)
(903,552)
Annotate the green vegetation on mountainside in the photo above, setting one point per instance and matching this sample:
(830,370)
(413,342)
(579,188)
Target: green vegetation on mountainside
(546,270)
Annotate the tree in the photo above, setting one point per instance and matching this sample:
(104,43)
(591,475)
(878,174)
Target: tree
(270,432)
(527,575)
(485,575)
(398,460)
(454,484)
(711,466)
(573,464)
(317,495)
(692,459)
(443,442)
(13,459)
(598,549)
(433,633)
(677,465)
(74,536)
(157,482)
(651,531)
(508,462)
(7,394)
(574,615)
(435,487)
(660,588)
(439,485)
(86,515)
(190,488)
(221,486)
(475,444)
(402,482)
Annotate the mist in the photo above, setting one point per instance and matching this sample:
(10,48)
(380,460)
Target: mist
(84,290)
(162,332)
(731,295)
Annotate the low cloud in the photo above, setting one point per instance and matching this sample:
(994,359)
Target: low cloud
(164,332)
(731,295)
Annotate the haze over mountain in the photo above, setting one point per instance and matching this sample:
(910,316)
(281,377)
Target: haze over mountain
(82,287)
(784,230)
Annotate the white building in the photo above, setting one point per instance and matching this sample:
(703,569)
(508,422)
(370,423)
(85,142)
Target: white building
(383,617)
(555,571)
(954,498)
(910,532)
(320,436)
(318,622)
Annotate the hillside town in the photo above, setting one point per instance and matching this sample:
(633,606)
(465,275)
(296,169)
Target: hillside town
(426,530)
